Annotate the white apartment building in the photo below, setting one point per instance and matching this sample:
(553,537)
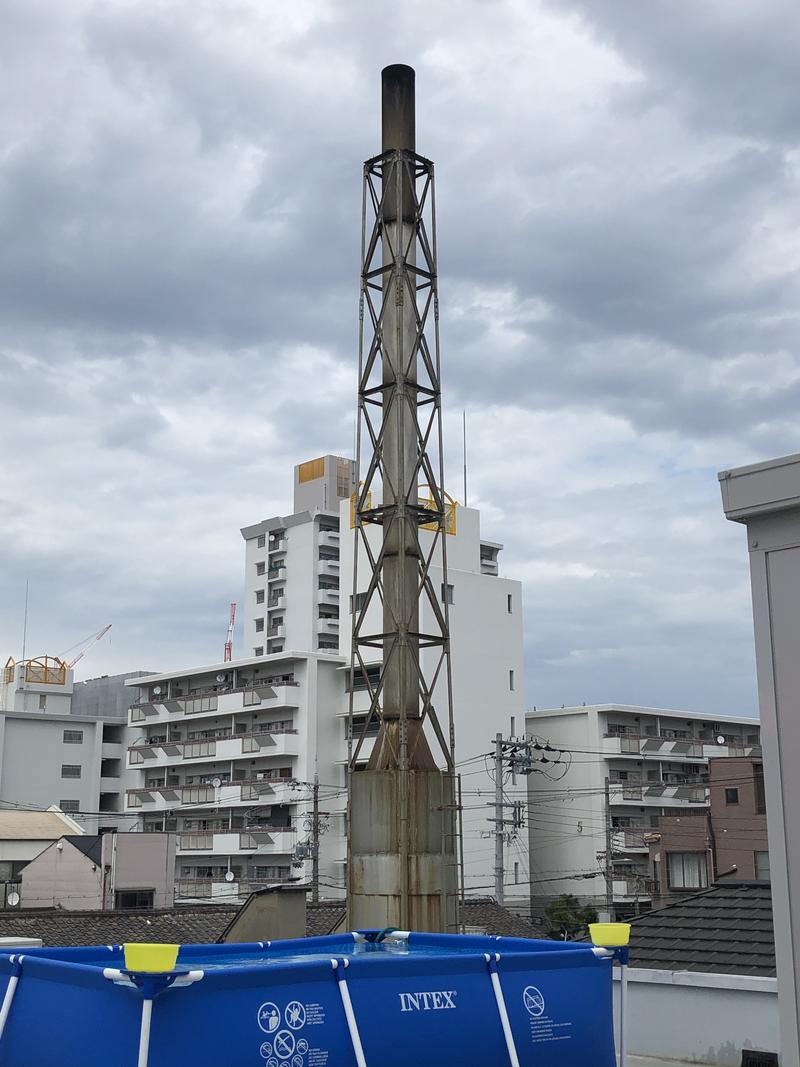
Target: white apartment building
(225,753)
(291,597)
(225,756)
(62,742)
(656,763)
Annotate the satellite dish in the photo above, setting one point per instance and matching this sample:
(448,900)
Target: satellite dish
(156,690)
(229,876)
(13,900)
(221,677)
(217,782)
(720,739)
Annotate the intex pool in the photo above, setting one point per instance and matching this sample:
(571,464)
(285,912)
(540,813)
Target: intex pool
(409,1000)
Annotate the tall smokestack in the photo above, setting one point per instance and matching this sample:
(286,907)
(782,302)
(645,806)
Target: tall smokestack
(401,869)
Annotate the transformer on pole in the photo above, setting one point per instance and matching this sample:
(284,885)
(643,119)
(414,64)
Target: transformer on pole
(402,836)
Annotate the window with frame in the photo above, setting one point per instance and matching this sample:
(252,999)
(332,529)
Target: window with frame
(687,870)
(258,651)
(134,899)
(68,806)
(511,681)
(261,568)
(42,702)
(731,796)
(259,596)
(510,603)
(761,863)
(758,782)
(261,541)
(70,770)
(259,626)
(73,737)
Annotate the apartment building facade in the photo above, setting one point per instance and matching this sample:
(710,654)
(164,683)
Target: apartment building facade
(62,742)
(728,842)
(628,768)
(291,597)
(225,757)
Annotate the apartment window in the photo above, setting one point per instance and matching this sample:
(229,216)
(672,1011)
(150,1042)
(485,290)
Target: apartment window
(509,603)
(516,872)
(731,796)
(357,602)
(70,770)
(73,737)
(69,805)
(447,593)
(687,870)
(261,568)
(761,866)
(259,596)
(259,626)
(42,702)
(511,681)
(261,541)
(758,781)
(258,650)
(134,899)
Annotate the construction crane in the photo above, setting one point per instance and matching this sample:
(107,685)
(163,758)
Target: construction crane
(85,645)
(228,656)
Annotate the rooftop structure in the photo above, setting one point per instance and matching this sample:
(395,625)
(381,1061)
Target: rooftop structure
(656,764)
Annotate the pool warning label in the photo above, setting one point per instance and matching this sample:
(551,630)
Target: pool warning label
(544,1028)
(287,1044)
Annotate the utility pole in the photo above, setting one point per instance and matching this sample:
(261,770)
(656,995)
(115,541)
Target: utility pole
(315,841)
(499,822)
(608,864)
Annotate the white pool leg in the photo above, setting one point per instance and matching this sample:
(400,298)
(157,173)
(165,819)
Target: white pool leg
(623,1015)
(349,1014)
(144,1033)
(11,989)
(501,1008)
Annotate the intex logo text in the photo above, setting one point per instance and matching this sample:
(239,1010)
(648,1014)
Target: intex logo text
(427,1001)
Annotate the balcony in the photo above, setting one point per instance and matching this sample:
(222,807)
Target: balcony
(276,631)
(277,545)
(276,603)
(633,887)
(329,597)
(630,839)
(658,794)
(662,748)
(232,747)
(229,794)
(328,568)
(220,890)
(328,626)
(330,538)
(221,701)
(278,840)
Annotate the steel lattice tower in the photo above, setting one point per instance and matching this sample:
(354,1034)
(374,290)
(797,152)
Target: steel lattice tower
(402,868)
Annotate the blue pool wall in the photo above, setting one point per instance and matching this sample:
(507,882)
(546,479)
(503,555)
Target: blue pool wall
(67,1013)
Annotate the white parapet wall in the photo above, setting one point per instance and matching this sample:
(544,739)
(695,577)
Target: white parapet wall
(690,1017)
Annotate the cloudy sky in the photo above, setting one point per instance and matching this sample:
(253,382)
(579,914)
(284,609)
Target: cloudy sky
(179,213)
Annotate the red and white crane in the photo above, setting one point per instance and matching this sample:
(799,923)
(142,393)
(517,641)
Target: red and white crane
(86,644)
(229,639)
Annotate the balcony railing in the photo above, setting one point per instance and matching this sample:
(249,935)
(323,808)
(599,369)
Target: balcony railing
(217,886)
(202,748)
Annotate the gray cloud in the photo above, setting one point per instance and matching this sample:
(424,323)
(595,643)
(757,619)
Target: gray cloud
(179,228)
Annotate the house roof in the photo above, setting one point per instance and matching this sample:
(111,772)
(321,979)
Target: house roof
(725,930)
(21,825)
(205,923)
(89,844)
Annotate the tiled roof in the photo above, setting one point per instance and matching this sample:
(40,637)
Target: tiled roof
(23,825)
(725,930)
(204,924)
(58,927)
